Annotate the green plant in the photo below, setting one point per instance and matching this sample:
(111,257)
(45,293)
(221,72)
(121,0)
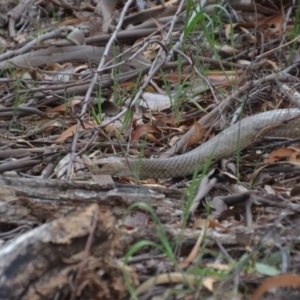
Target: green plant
(165,246)
(20,97)
(196,18)
(296,29)
(98,116)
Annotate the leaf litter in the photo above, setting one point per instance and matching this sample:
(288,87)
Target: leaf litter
(78,81)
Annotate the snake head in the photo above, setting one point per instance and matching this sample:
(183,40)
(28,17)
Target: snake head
(107,166)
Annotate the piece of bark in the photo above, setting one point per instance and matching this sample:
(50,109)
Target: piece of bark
(39,255)
(36,201)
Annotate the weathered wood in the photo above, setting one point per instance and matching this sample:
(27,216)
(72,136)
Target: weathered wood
(42,200)
(36,258)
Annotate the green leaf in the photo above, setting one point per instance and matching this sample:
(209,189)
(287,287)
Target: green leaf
(266,269)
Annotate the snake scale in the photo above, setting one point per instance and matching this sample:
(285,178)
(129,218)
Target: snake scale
(276,123)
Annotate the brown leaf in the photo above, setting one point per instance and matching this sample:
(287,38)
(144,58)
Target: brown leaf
(131,85)
(128,84)
(283,280)
(255,173)
(70,131)
(54,67)
(153,139)
(63,107)
(196,249)
(110,108)
(113,130)
(142,130)
(175,78)
(295,191)
(280,153)
(215,224)
(221,79)
(196,137)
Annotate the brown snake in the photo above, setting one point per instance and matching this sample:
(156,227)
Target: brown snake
(277,123)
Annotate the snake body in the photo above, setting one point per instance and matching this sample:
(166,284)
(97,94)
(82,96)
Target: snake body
(276,123)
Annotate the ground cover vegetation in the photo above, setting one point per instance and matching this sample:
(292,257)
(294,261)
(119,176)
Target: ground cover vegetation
(85,80)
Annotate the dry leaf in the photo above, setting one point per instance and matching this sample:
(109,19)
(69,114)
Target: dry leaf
(71,131)
(106,9)
(128,84)
(208,283)
(143,130)
(283,280)
(278,154)
(217,266)
(77,37)
(229,28)
(175,277)
(111,129)
(177,78)
(295,191)
(196,137)
(153,139)
(63,107)
(110,108)
(215,224)
(195,251)
(223,80)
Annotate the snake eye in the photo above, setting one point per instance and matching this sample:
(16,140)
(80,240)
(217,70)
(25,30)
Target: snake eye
(100,166)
